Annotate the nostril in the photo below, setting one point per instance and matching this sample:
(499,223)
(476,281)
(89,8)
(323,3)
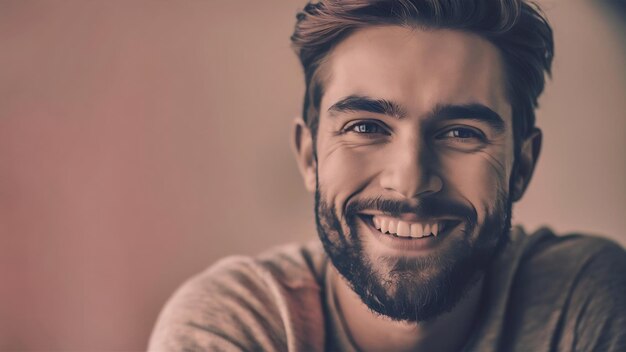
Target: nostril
(411,184)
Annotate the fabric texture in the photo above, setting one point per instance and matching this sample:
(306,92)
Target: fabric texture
(543,293)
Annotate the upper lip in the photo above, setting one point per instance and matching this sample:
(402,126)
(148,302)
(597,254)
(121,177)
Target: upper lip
(409,217)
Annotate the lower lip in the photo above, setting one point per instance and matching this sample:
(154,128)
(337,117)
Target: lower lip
(408,244)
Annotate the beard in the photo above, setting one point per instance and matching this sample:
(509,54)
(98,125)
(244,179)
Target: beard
(413,288)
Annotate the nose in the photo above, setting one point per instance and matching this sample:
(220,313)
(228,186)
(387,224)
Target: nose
(410,171)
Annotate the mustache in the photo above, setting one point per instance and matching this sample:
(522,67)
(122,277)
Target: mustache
(427,207)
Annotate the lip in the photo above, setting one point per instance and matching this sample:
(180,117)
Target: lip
(406,217)
(408,245)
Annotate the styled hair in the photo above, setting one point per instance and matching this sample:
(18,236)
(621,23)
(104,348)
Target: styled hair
(518,29)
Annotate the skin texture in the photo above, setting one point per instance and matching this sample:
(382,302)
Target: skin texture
(418,163)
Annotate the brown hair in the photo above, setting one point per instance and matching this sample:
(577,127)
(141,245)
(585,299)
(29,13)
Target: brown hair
(516,28)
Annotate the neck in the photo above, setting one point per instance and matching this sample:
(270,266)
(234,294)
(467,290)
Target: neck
(373,332)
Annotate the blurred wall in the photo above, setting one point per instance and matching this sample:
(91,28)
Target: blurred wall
(140,141)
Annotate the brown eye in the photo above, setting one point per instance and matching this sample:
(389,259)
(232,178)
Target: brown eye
(366,128)
(461,133)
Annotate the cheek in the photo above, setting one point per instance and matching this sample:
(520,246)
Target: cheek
(342,171)
(478,178)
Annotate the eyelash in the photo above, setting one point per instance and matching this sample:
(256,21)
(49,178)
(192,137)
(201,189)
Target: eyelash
(363,124)
(383,130)
(462,130)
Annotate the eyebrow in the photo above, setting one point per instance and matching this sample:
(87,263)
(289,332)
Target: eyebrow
(472,111)
(354,103)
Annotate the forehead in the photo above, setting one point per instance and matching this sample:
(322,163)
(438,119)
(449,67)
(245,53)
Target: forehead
(417,68)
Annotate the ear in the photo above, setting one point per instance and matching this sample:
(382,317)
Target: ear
(525,165)
(302,146)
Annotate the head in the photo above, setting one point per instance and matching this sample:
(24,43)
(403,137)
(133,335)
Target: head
(418,120)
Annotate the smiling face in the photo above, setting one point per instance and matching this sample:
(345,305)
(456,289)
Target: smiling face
(411,168)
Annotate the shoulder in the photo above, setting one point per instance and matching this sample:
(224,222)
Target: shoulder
(578,283)
(575,258)
(245,303)
(545,245)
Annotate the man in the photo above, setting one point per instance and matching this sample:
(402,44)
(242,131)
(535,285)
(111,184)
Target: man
(417,136)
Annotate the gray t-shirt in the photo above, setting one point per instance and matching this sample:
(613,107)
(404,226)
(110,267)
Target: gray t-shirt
(543,293)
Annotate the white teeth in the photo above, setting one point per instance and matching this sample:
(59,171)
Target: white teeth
(416,230)
(384,225)
(403,229)
(427,230)
(392,226)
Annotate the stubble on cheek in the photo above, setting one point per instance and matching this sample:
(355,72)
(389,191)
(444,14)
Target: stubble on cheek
(479,179)
(344,173)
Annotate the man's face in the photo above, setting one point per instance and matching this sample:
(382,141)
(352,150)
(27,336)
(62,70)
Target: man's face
(414,139)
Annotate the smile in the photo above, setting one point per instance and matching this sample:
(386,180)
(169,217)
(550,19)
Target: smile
(408,233)
(400,228)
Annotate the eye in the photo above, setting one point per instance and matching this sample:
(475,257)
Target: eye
(462,133)
(366,127)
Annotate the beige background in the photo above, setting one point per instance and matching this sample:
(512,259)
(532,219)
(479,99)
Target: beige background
(142,140)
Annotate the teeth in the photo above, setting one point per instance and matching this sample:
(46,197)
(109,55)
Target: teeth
(404,229)
(416,230)
(393,227)
(388,225)
(384,225)
(427,230)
